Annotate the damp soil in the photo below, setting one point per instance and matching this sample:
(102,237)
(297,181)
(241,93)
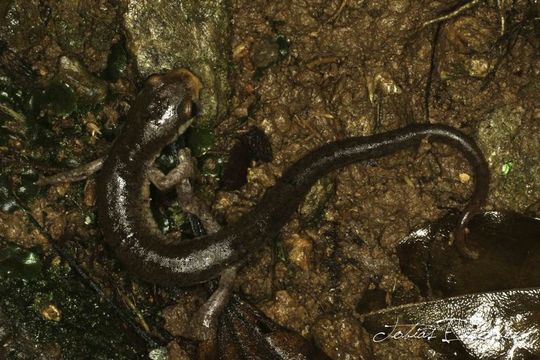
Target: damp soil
(305,72)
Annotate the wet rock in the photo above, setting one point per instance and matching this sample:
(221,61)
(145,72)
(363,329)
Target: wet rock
(499,325)
(46,313)
(167,34)
(89,89)
(509,139)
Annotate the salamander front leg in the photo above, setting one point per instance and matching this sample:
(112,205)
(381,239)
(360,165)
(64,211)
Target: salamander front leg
(184,170)
(77,174)
(204,322)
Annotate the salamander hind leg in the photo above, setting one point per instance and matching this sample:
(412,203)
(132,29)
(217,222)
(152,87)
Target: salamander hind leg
(205,321)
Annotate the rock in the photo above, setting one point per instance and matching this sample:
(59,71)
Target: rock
(300,251)
(89,89)
(167,34)
(85,29)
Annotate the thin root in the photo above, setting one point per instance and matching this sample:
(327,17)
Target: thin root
(338,12)
(452,14)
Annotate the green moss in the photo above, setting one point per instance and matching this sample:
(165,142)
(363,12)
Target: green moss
(17,263)
(81,325)
(200,140)
(506,167)
(169,218)
(58,98)
(176,216)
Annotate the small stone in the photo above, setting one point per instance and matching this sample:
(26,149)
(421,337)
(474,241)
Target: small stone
(89,89)
(178,317)
(159,354)
(464,178)
(300,252)
(478,68)
(51,313)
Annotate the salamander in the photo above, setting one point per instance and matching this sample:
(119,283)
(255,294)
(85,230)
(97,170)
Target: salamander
(163,110)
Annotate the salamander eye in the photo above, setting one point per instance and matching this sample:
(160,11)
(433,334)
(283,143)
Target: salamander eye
(155,80)
(188,109)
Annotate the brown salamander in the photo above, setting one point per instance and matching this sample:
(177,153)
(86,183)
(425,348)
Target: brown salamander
(163,110)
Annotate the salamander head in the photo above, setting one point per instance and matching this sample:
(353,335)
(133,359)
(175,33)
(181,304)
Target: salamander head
(170,104)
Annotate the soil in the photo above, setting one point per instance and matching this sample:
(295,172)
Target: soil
(308,72)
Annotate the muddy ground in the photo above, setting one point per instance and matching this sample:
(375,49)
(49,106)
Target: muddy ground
(306,72)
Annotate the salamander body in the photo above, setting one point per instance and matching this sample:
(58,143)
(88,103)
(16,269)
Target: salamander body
(161,112)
